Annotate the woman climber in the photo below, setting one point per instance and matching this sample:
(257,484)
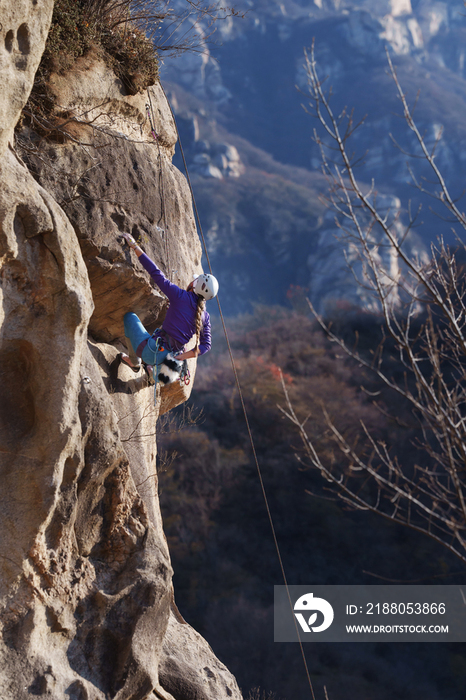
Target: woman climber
(185,317)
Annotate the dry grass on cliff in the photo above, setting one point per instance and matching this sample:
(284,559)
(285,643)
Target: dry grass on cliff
(118,31)
(121,29)
(127,34)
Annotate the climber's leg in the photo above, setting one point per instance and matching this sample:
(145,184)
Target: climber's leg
(135,333)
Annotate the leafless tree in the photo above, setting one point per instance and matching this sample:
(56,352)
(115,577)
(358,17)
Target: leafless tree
(423,307)
(190,24)
(174,26)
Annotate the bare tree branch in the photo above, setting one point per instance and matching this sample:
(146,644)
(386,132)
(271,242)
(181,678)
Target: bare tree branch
(423,307)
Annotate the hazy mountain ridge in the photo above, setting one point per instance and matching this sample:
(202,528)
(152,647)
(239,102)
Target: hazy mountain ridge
(249,91)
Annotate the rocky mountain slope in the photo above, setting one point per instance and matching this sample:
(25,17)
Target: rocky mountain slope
(245,87)
(87,605)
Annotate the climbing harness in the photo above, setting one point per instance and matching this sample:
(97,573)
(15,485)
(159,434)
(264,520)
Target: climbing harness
(161,351)
(185,375)
(243,405)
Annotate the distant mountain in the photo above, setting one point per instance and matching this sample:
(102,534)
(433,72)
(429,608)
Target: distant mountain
(266,234)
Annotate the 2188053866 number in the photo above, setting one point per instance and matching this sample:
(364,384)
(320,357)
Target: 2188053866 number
(405,608)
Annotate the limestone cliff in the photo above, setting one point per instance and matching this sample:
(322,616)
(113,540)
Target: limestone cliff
(86,600)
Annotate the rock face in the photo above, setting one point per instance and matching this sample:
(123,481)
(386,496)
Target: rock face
(24,27)
(86,596)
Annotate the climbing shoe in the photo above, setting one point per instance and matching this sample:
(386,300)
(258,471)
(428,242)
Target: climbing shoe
(124,359)
(149,370)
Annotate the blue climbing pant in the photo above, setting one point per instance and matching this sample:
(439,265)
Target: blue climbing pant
(136,333)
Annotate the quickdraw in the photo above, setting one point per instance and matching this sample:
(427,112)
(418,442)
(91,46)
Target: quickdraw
(185,376)
(155,366)
(152,128)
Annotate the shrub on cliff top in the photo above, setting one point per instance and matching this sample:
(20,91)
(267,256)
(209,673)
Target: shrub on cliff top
(120,31)
(118,27)
(128,34)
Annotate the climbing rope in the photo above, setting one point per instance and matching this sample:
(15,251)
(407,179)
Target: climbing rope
(243,405)
(163,231)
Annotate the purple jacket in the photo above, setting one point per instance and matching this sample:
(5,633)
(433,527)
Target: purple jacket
(180,319)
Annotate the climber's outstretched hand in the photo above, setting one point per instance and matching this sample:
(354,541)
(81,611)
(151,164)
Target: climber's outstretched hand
(132,244)
(130,240)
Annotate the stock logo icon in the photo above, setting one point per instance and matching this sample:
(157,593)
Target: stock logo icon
(307,603)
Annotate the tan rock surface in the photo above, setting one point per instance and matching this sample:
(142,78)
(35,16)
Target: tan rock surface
(46,303)
(24,25)
(195,673)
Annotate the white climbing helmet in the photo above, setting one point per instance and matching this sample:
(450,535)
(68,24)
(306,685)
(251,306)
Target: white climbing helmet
(205,286)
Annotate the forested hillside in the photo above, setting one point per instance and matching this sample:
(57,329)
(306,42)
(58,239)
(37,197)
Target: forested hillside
(217,526)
